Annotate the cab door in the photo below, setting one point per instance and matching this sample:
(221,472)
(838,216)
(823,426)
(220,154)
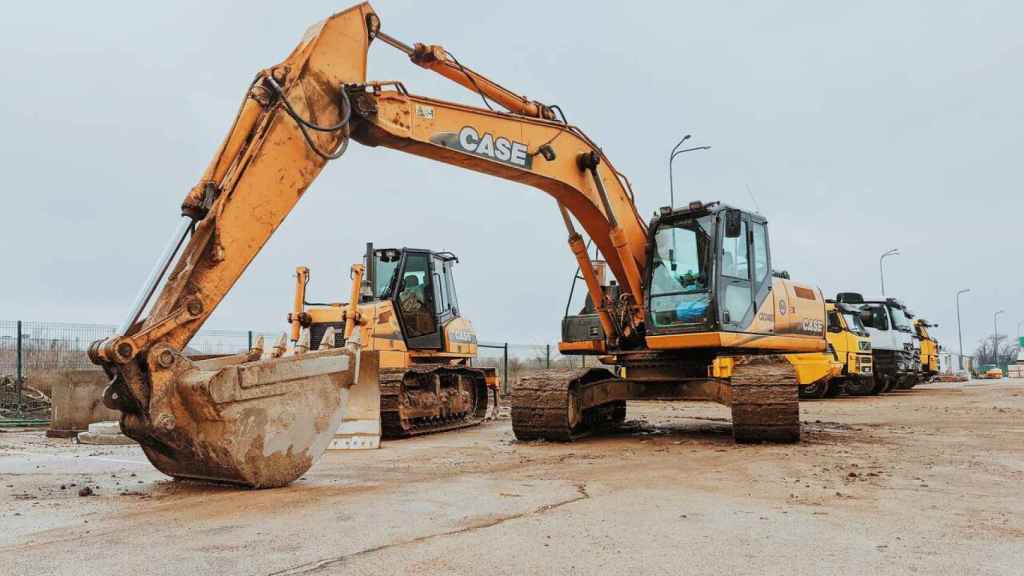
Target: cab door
(417,302)
(735,293)
(744,277)
(444,298)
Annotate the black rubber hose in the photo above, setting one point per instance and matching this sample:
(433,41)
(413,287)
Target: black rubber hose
(346,115)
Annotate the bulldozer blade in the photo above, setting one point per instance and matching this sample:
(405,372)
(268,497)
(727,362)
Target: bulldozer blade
(241,420)
(361,429)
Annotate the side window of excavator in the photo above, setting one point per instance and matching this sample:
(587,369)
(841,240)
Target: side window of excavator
(737,293)
(760,237)
(735,259)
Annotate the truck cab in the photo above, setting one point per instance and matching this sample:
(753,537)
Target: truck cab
(891,330)
(850,349)
(928,355)
(850,343)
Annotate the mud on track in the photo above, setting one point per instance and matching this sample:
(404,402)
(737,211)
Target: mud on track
(926,481)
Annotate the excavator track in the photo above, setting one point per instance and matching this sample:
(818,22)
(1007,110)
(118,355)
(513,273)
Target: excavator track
(765,404)
(431,398)
(545,405)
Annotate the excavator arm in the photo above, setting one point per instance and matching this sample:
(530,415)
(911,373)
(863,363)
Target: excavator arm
(552,157)
(294,118)
(299,114)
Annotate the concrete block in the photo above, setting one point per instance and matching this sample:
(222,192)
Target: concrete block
(77,397)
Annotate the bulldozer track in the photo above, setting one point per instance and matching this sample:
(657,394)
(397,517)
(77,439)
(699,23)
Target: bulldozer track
(765,404)
(396,401)
(544,406)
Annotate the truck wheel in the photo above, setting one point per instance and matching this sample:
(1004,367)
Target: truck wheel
(814,391)
(835,388)
(860,386)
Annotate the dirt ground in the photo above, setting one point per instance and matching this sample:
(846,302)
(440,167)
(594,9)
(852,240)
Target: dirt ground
(922,482)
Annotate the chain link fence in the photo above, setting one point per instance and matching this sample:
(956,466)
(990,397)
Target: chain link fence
(514,361)
(35,354)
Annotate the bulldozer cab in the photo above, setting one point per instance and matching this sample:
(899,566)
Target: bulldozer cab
(420,285)
(709,269)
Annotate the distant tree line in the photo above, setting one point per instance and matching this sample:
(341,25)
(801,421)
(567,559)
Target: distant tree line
(996,350)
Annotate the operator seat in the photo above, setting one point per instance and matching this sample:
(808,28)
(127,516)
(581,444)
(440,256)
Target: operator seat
(413,304)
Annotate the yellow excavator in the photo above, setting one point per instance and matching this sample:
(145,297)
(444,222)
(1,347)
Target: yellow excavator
(693,313)
(426,377)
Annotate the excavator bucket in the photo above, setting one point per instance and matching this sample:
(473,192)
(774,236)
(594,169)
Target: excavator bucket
(248,420)
(258,423)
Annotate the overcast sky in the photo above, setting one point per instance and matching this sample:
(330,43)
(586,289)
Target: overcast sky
(858,127)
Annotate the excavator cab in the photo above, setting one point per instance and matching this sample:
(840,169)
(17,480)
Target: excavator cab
(709,276)
(709,271)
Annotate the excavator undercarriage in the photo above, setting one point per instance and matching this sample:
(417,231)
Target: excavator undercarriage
(560,405)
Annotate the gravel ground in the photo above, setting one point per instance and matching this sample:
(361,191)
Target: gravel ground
(926,481)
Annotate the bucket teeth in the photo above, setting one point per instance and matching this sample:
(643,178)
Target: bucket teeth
(280,346)
(257,347)
(302,345)
(328,340)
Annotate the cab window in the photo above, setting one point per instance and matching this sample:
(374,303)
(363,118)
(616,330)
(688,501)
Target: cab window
(738,294)
(834,324)
(416,296)
(734,255)
(760,236)
(441,297)
(680,278)
(449,280)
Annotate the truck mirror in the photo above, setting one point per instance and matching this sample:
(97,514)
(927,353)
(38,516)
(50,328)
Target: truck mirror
(733,222)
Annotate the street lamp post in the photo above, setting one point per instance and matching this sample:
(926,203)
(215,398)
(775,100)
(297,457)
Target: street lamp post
(959,333)
(995,336)
(881,273)
(672,156)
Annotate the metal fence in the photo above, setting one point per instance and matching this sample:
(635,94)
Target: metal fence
(514,361)
(32,354)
